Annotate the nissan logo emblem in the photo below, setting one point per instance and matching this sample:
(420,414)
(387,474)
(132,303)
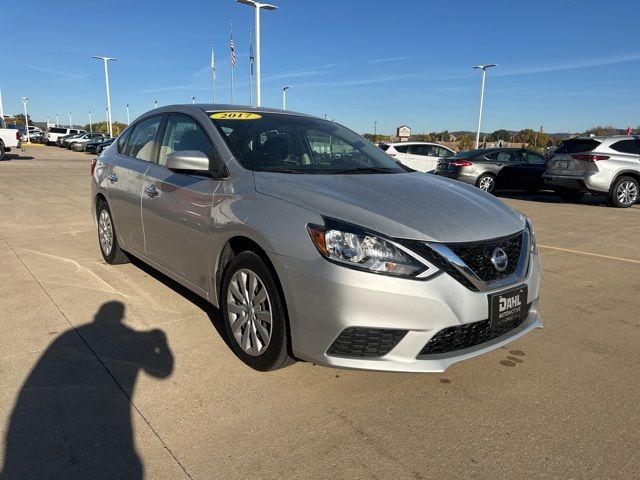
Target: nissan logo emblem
(499,259)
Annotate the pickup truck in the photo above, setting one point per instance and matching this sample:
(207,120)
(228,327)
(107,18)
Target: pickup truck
(9,138)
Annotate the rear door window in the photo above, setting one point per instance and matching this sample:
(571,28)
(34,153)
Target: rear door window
(503,157)
(626,146)
(143,139)
(437,151)
(534,158)
(422,150)
(401,148)
(577,145)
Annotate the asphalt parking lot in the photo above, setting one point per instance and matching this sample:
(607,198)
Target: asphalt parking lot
(118,368)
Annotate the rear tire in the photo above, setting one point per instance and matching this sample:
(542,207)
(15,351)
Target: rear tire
(253,313)
(486,182)
(107,238)
(2,152)
(570,196)
(624,192)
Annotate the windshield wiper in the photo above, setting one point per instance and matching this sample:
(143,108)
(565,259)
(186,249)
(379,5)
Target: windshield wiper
(279,170)
(366,170)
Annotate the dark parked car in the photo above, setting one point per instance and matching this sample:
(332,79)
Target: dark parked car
(97,146)
(496,168)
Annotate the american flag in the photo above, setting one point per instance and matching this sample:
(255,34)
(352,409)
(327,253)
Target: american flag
(233,53)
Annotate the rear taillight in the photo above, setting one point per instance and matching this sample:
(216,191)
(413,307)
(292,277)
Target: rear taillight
(590,158)
(460,163)
(93,165)
(17,135)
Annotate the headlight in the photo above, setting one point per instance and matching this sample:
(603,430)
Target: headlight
(532,235)
(356,248)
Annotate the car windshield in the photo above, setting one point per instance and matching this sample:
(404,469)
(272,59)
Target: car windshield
(278,142)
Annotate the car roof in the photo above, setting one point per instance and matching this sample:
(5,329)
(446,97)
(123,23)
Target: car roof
(602,138)
(222,107)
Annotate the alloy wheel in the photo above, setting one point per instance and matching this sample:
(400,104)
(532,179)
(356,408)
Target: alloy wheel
(105,232)
(627,193)
(249,312)
(486,184)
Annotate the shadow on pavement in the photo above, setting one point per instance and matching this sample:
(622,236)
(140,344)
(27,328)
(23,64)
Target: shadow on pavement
(72,418)
(551,197)
(214,314)
(15,156)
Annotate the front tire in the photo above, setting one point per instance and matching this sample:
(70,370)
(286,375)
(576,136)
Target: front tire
(253,313)
(624,192)
(486,182)
(2,151)
(107,238)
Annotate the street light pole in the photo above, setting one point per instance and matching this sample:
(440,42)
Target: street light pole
(258,6)
(57,123)
(128,122)
(284,97)
(90,124)
(155,104)
(375,131)
(26,117)
(484,73)
(70,124)
(106,79)
(193,100)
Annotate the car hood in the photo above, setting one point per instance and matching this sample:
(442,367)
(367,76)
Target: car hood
(414,206)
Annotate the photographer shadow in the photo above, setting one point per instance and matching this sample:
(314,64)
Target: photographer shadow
(73,415)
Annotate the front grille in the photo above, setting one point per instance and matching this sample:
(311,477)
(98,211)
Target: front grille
(477,256)
(365,342)
(468,335)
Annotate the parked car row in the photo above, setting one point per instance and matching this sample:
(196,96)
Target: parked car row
(599,165)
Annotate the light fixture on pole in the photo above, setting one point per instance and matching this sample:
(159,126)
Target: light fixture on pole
(258,7)
(484,73)
(193,100)
(128,121)
(106,79)
(155,104)
(26,117)
(284,97)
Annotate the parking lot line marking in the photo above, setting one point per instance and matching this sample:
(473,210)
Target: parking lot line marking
(579,252)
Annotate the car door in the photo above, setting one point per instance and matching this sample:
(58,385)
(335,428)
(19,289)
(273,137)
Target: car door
(176,206)
(125,179)
(418,158)
(533,169)
(506,164)
(437,153)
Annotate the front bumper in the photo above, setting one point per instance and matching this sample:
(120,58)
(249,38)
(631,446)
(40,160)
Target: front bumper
(324,299)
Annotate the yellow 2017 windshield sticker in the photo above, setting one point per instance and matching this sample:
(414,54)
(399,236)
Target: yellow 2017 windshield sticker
(235,116)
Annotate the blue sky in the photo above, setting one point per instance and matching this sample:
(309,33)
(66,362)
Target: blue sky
(565,65)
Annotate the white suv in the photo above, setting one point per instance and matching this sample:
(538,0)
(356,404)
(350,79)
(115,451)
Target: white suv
(603,165)
(420,156)
(56,132)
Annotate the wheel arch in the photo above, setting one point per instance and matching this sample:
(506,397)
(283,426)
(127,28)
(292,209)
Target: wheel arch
(625,173)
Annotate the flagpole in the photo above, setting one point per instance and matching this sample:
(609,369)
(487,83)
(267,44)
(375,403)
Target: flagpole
(250,70)
(232,62)
(213,74)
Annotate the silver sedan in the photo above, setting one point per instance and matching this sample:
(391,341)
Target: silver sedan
(314,243)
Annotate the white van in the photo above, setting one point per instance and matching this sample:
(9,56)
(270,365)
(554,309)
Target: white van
(56,132)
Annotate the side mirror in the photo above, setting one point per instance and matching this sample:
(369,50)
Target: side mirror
(191,160)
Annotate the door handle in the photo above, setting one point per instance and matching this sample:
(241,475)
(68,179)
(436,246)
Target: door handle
(152,191)
(113,178)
